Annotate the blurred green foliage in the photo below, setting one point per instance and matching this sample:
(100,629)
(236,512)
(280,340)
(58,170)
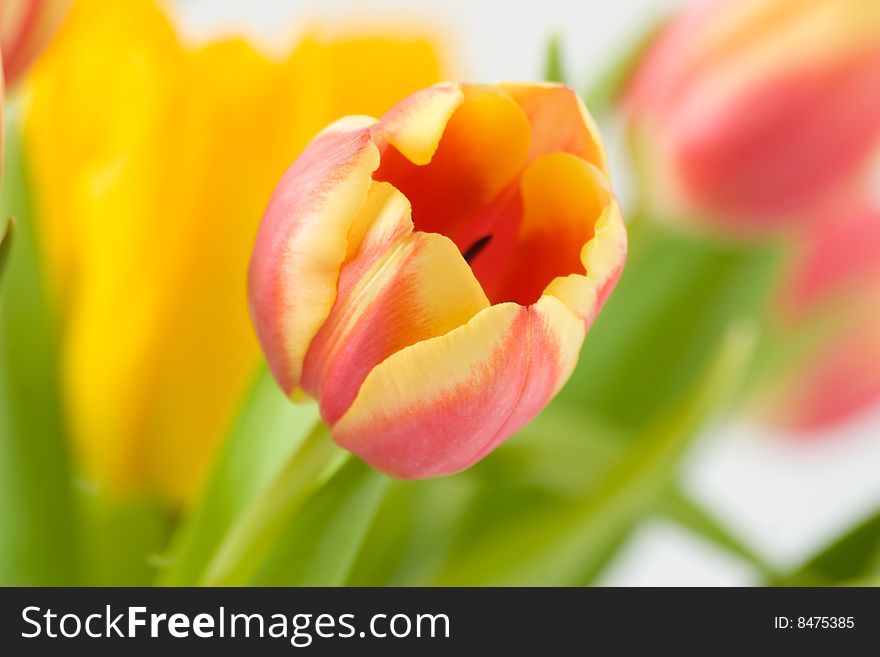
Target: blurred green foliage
(553,70)
(320,545)
(5,242)
(267,433)
(676,298)
(605,91)
(38,531)
(853,558)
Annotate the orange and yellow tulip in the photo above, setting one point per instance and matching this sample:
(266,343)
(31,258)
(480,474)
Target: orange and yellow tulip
(430,276)
(747,114)
(151,161)
(25,28)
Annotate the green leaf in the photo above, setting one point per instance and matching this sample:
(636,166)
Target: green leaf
(414,531)
(853,556)
(554,71)
(602,95)
(122,540)
(562,455)
(567,450)
(566,544)
(38,518)
(250,539)
(424,524)
(268,430)
(677,506)
(673,304)
(5,241)
(320,545)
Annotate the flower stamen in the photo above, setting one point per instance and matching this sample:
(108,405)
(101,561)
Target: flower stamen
(477,248)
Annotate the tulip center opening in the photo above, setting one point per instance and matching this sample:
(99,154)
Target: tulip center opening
(520,217)
(476,248)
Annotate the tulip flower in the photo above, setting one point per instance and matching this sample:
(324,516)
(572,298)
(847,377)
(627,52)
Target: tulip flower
(151,161)
(25,28)
(430,276)
(745,114)
(834,278)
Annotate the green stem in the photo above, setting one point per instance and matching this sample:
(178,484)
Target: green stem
(554,71)
(39,517)
(602,94)
(5,240)
(250,539)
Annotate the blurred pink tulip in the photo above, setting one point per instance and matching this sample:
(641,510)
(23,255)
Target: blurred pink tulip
(744,114)
(25,28)
(834,280)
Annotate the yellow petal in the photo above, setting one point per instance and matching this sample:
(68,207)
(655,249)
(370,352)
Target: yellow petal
(415,125)
(559,121)
(562,198)
(302,243)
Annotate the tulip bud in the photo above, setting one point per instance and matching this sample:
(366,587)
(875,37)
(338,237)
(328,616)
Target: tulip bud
(744,114)
(834,281)
(429,277)
(25,28)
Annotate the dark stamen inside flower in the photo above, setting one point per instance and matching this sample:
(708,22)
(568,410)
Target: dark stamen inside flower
(476,248)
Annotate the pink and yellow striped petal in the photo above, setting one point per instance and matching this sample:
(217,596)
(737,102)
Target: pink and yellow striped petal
(397,289)
(440,405)
(302,243)
(559,122)
(415,125)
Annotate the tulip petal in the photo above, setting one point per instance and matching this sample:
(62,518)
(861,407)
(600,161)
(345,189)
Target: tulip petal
(605,254)
(747,114)
(397,289)
(741,161)
(559,122)
(302,239)
(836,382)
(836,255)
(415,125)
(603,257)
(439,405)
(562,197)
(483,148)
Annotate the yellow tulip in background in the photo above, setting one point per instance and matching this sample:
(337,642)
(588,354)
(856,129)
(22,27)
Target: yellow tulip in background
(151,164)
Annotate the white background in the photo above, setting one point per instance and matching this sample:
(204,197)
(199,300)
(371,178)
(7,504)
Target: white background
(784,497)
